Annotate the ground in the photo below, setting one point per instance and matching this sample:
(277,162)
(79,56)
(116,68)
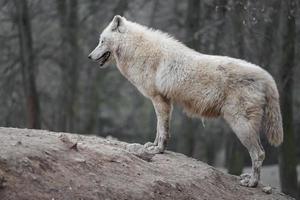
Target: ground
(37,164)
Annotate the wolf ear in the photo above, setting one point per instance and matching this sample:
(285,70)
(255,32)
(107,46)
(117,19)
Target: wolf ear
(118,23)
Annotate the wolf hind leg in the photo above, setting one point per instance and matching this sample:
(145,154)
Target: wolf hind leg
(257,155)
(247,130)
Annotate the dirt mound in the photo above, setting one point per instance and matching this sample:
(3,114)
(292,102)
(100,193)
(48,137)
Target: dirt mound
(37,164)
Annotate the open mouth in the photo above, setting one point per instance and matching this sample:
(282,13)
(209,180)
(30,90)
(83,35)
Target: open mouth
(102,60)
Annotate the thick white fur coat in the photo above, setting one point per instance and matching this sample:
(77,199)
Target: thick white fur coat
(167,72)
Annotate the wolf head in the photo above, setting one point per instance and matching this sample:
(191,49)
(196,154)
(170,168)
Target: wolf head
(108,41)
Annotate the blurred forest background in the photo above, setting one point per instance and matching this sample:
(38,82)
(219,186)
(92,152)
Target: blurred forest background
(47,81)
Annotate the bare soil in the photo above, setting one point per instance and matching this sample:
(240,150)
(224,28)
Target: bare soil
(38,165)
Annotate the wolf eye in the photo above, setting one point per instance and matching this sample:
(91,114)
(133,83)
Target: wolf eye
(102,41)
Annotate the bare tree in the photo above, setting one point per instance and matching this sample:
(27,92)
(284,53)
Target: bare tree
(28,64)
(235,157)
(221,10)
(68,20)
(287,155)
(192,24)
(267,44)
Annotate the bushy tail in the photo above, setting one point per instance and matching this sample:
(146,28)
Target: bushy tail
(272,120)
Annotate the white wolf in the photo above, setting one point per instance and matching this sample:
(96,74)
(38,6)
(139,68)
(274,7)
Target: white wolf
(167,72)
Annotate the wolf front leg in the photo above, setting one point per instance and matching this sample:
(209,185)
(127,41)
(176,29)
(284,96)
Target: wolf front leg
(163,110)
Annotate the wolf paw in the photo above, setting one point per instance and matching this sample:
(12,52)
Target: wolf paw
(245,176)
(249,182)
(154,150)
(149,144)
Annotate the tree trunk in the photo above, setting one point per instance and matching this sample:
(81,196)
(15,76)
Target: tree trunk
(68,19)
(221,14)
(234,155)
(27,62)
(154,10)
(287,153)
(193,24)
(268,42)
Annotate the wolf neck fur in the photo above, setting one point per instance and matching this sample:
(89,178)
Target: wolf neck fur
(139,58)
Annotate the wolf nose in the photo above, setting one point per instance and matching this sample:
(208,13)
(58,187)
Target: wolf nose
(90,57)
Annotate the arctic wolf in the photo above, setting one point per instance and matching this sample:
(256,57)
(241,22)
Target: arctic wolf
(166,71)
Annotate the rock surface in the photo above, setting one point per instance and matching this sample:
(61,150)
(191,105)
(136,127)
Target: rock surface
(36,164)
